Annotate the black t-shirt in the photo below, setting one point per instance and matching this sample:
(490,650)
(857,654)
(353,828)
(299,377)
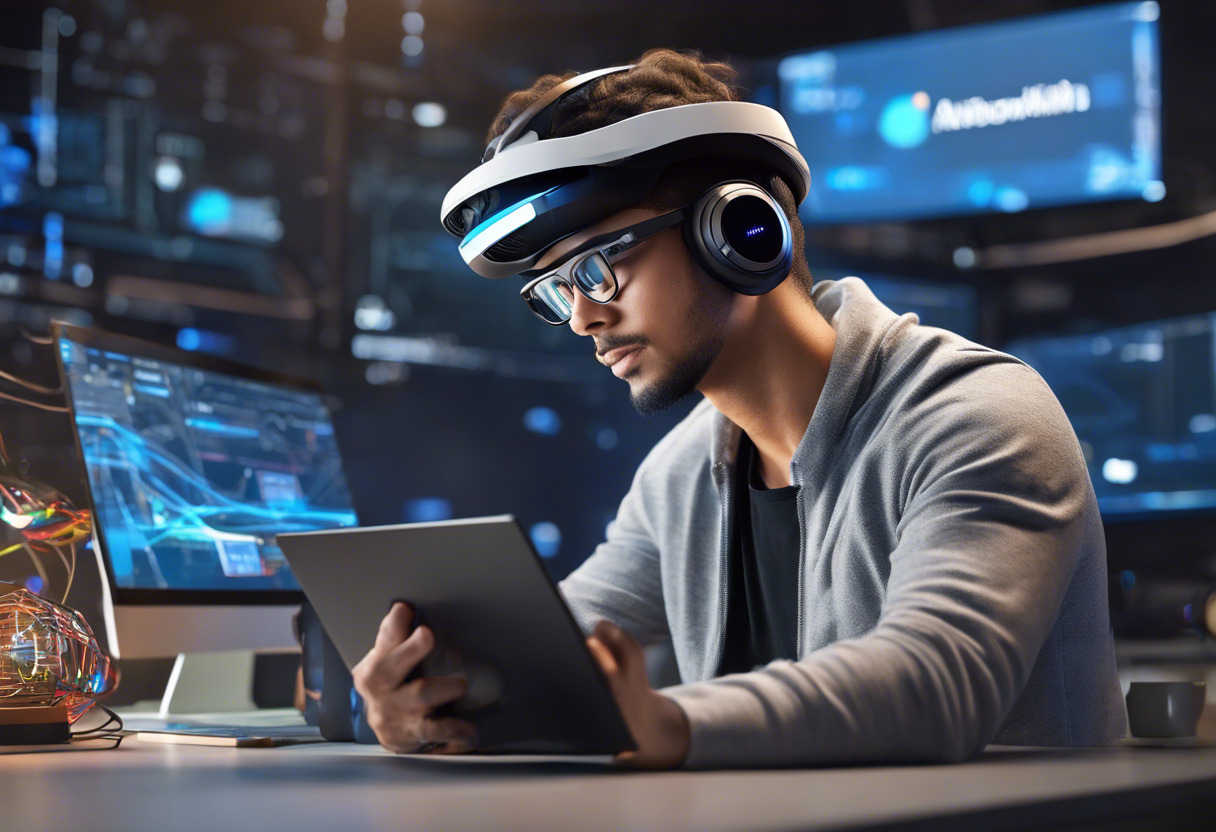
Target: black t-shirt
(762,570)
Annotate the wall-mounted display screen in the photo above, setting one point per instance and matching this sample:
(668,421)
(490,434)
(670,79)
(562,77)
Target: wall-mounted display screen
(1046,110)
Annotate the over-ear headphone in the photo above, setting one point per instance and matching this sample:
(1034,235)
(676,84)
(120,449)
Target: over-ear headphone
(740,235)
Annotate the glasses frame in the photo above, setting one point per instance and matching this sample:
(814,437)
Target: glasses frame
(612,246)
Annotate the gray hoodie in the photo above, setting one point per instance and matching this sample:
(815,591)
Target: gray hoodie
(953,563)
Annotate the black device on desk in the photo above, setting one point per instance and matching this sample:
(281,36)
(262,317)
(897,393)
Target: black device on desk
(533,685)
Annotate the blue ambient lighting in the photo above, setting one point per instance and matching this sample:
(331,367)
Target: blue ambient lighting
(547,538)
(426,510)
(543,420)
(210,211)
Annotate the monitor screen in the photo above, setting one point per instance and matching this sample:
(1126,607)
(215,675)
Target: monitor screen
(192,471)
(952,306)
(1046,110)
(1142,400)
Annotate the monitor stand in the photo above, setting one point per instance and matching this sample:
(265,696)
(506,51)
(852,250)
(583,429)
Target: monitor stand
(214,682)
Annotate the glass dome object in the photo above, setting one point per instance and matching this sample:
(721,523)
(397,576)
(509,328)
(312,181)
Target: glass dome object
(48,655)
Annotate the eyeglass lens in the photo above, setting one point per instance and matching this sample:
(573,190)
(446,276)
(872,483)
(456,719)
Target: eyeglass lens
(554,299)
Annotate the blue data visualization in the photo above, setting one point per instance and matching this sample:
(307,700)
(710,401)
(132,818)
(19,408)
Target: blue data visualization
(193,472)
(1046,110)
(1142,400)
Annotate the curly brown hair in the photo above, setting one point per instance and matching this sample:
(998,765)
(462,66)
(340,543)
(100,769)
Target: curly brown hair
(662,78)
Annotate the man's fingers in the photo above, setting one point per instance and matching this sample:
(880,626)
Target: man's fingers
(440,690)
(383,671)
(395,627)
(624,647)
(450,731)
(604,657)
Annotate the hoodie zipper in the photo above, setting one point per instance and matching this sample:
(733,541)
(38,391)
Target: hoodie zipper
(724,562)
(798,504)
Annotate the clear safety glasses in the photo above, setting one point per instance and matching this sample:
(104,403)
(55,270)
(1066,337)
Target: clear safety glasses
(551,296)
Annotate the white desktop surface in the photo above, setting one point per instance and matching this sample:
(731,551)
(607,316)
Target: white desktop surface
(349,788)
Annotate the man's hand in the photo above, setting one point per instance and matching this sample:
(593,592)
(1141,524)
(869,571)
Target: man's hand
(658,725)
(399,712)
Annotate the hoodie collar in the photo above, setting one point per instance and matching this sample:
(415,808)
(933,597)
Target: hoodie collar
(861,322)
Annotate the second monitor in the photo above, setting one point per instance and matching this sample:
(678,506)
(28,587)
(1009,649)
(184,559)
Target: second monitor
(194,465)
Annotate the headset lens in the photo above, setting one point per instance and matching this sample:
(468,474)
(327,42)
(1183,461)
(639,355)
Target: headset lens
(594,277)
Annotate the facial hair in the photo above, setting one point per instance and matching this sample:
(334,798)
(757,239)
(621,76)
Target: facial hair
(707,318)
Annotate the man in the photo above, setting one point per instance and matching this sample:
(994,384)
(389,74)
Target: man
(872,541)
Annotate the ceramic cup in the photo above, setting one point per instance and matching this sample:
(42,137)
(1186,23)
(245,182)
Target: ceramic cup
(1165,709)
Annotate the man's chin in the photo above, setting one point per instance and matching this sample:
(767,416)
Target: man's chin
(649,399)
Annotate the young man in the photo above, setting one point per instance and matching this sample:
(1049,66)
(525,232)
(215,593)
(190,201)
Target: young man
(872,541)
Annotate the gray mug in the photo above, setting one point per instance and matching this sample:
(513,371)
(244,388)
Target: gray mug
(1165,709)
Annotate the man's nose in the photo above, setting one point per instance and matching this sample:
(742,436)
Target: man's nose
(588,317)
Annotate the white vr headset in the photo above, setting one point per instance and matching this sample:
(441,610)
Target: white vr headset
(531,191)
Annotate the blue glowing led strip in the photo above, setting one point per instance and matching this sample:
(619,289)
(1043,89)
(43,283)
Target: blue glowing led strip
(498,226)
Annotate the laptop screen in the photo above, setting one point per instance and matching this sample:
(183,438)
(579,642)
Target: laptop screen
(194,471)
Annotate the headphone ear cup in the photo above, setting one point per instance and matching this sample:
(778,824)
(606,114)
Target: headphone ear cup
(740,235)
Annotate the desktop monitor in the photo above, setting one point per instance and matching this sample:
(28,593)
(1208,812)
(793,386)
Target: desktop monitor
(1051,109)
(194,464)
(1142,400)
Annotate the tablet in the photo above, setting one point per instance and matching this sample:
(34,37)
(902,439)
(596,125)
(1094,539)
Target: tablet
(480,586)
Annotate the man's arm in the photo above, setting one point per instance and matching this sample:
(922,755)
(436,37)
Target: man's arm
(1001,510)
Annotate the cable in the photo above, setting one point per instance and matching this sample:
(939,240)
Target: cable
(37,561)
(103,731)
(37,388)
(49,407)
(71,571)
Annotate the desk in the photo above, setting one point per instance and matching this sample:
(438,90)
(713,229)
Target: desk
(347,788)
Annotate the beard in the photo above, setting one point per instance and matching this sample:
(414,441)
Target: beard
(707,317)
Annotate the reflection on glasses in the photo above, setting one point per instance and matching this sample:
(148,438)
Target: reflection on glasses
(551,296)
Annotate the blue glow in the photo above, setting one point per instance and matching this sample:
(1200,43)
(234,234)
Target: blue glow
(209,211)
(152,390)
(752,232)
(855,178)
(34,584)
(1127,579)
(189,339)
(543,420)
(426,510)
(499,225)
(52,230)
(213,426)
(903,123)
(547,538)
(200,340)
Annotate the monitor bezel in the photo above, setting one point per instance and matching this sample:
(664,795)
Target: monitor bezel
(130,345)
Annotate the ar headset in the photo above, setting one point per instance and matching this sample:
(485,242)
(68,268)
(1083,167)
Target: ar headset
(532,190)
